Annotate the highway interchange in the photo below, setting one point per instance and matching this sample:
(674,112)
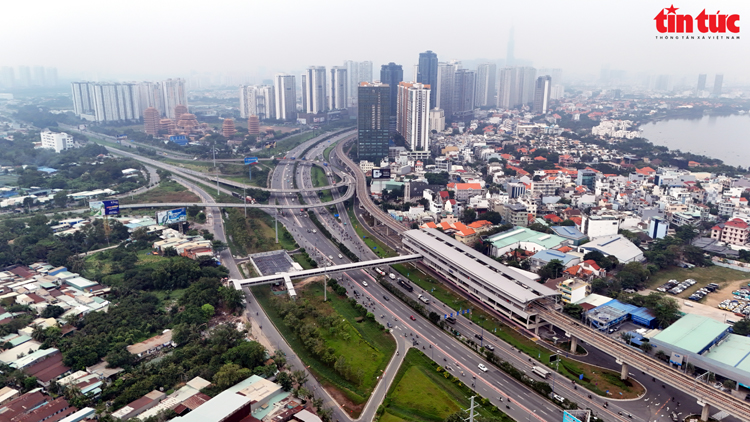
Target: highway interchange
(524,404)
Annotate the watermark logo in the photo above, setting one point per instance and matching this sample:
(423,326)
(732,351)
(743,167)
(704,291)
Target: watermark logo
(714,26)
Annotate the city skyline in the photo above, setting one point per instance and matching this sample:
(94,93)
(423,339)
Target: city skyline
(624,41)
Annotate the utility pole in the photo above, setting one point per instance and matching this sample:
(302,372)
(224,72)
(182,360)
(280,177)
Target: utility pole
(276,223)
(244,199)
(470,411)
(217,171)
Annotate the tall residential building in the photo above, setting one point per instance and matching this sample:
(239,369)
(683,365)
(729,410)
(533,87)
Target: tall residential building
(285,90)
(437,120)
(510,51)
(486,77)
(151,121)
(443,92)
(57,141)
(338,96)
(315,90)
(702,82)
(151,96)
(515,87)
(427,72)
(413,115)
(373,112)
(107,102)
(392,74)
(718,81)
(50,76)
(83,98)
(24,76)
(7,77)
(542,93)
(303,80)
(356,72)
(173,92)
(39,76)
(257,100)
(464,88)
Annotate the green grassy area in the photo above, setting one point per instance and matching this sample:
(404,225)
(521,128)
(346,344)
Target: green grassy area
(327,152)
(703,275)
(300,259)
(254,233)
(167,191)
(381,249)
(202,167)
(367,348)
(8,179)
(285,144)
(319,179)
(595,379)
(423,392)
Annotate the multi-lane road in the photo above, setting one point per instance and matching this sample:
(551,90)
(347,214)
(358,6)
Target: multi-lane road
(438,344)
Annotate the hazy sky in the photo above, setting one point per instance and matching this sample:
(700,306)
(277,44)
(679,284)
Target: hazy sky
(139,39)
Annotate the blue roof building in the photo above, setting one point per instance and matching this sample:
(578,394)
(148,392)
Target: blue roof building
(571,233)
(542,258)
(180,140)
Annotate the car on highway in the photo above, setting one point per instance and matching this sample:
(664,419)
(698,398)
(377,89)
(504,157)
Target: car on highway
(482,367)
(341,256)
(489,347)
(558,398)
(364,283)
(411,317)
(479,337)
(385,297)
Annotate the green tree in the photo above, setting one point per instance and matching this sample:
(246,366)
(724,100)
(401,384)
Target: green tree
(742,327)
(60,199)
(469,216)
(230,374)
(552,269)
(285,380)
(208,310)
(575,311)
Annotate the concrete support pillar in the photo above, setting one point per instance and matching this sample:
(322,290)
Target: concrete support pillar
(536,331)
(624,371)
(704,412)
(573,343)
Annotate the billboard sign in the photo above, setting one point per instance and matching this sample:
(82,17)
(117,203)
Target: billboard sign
(676,359)
(384,173)
(102,208)
(251,160)
(168,217)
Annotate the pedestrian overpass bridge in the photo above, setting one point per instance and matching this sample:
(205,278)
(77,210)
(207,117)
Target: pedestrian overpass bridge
(286,278)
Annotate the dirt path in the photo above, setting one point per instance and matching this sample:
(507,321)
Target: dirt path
(725,292)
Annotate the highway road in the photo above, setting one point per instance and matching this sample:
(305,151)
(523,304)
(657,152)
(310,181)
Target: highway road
(438,343)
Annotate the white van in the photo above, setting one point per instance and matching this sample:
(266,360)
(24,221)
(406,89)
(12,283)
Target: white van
(392,276)
(341,256)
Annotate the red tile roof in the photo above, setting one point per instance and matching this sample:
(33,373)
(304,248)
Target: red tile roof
(592,263)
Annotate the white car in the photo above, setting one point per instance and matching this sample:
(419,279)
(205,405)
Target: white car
(482,367)
(364,283)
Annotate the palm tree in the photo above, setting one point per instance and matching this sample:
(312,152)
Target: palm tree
(661,355)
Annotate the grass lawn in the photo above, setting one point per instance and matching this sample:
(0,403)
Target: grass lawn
(327,152)
(319,179)
(368,347)
(595,379)
(381,249)
(422,391)
(300,259)
(703,276)
(167,191)
(285,144)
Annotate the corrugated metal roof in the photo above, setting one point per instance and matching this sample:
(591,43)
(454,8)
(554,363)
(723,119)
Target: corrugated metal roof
(692,332)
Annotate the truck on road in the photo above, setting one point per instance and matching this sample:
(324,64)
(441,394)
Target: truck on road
(424,299)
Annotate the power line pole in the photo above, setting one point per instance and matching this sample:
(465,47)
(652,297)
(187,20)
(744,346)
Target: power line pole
(470,410)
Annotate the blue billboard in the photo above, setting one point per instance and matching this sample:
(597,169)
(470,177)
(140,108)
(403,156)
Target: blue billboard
(251,160)
(168,217)
(102,208)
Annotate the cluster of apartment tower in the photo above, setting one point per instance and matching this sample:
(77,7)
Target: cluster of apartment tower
(392,105)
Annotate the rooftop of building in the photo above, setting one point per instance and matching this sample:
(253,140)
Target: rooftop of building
(548,255)
(692,332)
(523,234)
(513,282)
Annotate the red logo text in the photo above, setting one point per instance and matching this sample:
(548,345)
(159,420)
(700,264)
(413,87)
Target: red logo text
(668,21)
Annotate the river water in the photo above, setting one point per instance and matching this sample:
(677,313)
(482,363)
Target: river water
(724,137)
